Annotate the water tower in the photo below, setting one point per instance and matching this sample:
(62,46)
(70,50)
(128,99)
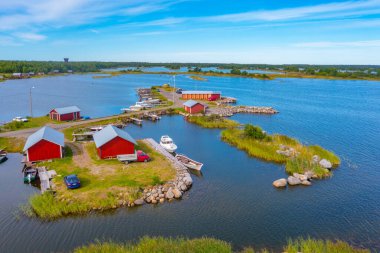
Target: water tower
(66,59)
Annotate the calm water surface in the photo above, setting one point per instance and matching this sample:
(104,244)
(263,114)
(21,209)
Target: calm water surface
(234,199)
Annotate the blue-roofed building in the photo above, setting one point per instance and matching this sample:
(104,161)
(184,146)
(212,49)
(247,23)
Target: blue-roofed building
(68,113)
(112,141)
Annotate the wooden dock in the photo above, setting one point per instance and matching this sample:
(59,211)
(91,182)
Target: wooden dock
(151,116)
(45,176)
(179,166)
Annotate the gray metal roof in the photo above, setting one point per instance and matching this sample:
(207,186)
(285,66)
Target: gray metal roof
(110,132)
(200,92)
(46,133)
(190,103)
(68,109)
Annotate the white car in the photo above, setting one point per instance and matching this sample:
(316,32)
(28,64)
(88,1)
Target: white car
(20,119)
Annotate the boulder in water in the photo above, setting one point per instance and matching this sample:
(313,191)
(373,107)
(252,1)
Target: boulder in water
(280,183)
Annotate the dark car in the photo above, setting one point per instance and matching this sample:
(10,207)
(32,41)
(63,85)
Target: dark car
(72,181)
(179,91)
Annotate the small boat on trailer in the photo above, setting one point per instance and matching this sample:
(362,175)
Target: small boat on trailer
(3,155)
(188,162)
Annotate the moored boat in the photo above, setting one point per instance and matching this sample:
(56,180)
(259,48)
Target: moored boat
(167,143)
(30,175)
(188,162)
(3,155)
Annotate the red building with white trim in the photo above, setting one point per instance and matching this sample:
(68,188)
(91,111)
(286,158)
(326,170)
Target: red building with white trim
(45,144)
(194,107)
(112,141)
(65,113)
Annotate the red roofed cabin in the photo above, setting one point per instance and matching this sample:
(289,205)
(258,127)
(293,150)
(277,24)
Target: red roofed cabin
(202,95)
(194,107)
(45,144)
(65,113)
(112,141)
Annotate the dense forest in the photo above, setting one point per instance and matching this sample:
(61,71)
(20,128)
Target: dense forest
(344,71)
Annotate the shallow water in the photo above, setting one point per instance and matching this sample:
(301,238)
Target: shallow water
(234,199)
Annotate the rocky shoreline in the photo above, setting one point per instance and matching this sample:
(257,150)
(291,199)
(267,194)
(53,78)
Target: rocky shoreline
(170,190)
(302,179)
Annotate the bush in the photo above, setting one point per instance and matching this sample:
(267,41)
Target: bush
(254,132)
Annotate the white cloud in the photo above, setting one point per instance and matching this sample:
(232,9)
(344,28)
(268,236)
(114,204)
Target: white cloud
(330,44)
(30,36)
(348,8)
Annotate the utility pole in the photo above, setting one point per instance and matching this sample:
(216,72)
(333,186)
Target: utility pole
(31,102)
(173,89)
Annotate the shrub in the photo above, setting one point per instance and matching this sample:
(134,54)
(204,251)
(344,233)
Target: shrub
(254,132)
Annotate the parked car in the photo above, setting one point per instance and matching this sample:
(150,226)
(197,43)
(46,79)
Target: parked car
(178,91)
(138,156)
(72,181)
(20,119)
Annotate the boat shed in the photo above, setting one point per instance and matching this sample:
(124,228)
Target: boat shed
(65,113)
(45,144)
(112,141)
(194,107)
(202,95)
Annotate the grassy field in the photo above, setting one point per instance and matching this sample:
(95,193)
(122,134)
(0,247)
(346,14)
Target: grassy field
(266,149)
(210,245)
(213,121)
(33,122)
(12,144)
(105,184)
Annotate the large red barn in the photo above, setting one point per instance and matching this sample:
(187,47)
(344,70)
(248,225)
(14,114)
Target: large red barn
(194,107)
(112,141)
(65,113)
(45,144)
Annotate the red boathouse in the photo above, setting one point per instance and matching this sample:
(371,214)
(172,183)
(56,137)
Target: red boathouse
(45,144)
(65,113)
(194,107)
(112,141)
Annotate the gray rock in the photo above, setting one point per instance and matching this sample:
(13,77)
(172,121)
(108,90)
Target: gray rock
(162,200)
(306,183)
(325,164)
(183,187)
(139,202)
(293,181)
(154,201)
(316,158)
(303,177)
(309,174)
(297,175)
(169,194)
(148,199)
(161,195)
(280,183)
(177,193)
(188,180)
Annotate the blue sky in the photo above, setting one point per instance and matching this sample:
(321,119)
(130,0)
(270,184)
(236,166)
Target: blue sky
(273,32)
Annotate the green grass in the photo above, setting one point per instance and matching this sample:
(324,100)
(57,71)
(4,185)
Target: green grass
(12,144)
(320,246)
(211,245)
(32,122)
(266,149)
(105,184)
(160,245)
(213,121)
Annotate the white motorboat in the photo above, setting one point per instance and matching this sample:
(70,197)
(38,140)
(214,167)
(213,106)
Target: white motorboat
(167,143)
(188,162)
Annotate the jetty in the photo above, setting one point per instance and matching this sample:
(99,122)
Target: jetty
(151,116)
(228,111)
